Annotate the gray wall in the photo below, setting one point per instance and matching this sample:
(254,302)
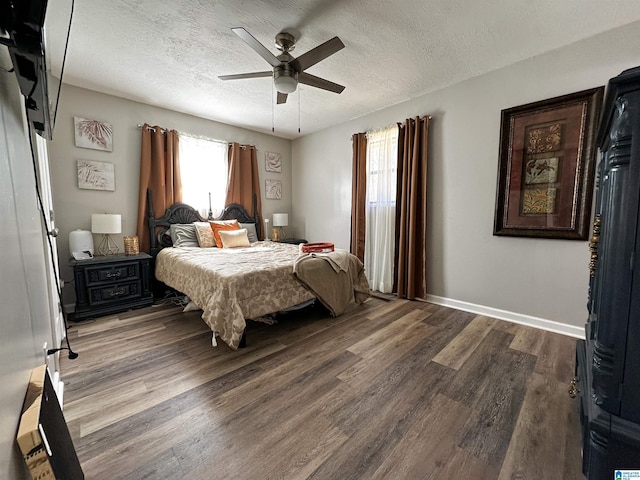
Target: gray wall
(75,206)
(24,321)
(523,279)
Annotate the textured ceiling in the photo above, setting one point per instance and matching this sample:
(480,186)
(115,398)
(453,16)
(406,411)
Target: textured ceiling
(169,53)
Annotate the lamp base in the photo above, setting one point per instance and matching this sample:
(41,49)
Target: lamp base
(107,246)
(278,234)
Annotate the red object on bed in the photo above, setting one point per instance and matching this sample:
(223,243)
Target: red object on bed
(320,247)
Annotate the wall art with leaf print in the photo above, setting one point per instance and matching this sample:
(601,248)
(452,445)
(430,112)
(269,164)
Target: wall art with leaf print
(96,175)
(93,134)
(546,169)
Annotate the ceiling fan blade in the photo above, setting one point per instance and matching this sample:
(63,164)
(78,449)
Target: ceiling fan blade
(317,54)
(282,98)
(318,82)
(257,46)
(239,76)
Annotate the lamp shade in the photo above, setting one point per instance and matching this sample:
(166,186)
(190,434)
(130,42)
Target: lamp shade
(106,223)
(280,219)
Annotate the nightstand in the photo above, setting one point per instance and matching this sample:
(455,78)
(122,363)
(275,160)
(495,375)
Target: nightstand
(111,284)
(293,240)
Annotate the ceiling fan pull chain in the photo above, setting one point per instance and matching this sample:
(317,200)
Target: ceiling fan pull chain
(273,107)
(299,109)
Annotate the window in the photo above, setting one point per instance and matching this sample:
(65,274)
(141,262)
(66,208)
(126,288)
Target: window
(382,168)
(203,168)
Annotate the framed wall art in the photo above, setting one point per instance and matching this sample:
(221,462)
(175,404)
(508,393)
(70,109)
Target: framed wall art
(93,134)
(96,175)
(272,162)
(546,167)
(273,189)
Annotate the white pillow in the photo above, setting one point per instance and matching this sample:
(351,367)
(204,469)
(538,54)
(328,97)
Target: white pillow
(205,234)
(234,238)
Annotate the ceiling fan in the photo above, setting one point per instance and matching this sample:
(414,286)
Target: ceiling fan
(287,70)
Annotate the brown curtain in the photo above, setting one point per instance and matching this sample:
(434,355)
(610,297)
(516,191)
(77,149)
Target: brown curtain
(358,194)
(160,172)
(243,180)
(411,209)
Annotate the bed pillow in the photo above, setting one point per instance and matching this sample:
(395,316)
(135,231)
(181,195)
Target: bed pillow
(251,231)
(183,235)
(205,235)
(234,238)
(217,225)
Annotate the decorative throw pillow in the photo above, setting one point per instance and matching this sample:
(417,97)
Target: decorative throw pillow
(251,231)
(217,225)
(234,238)
(183,235)
(205,235)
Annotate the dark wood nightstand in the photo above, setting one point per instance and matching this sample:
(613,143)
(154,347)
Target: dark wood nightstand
(293,240)
(111,284)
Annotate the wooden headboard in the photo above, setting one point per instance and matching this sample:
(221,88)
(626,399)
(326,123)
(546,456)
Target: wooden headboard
(182,213)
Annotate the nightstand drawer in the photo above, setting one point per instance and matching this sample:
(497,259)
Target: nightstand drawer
(100,275)
(114,293)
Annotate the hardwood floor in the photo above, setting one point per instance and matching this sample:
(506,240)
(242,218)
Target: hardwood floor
(390,390)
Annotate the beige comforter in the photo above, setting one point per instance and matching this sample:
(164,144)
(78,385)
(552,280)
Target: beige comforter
(231,284)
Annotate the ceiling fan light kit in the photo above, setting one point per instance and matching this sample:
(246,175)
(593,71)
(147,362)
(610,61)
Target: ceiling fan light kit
(284,79)
(287,70)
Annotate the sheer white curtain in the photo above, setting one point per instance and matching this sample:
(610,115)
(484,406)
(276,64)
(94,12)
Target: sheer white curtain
(382,168)
(203,168)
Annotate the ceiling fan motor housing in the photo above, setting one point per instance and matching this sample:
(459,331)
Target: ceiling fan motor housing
(285,42)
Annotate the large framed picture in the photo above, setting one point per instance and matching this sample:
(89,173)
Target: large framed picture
(546,169)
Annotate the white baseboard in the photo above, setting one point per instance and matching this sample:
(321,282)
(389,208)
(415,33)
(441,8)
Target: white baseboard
(536,322)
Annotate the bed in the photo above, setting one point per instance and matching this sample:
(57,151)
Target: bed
(232,285)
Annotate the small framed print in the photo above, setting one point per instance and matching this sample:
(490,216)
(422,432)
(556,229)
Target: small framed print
(93,134)
(273,189)
(96,175)
(273,162)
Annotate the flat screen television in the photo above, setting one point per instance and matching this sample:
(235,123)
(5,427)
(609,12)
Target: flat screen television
(36,33)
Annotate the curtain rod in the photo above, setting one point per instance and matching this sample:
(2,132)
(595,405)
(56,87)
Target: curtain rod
(202,137)
(163,130)
(413,120)
(399,124)
(199,137)
(421,118)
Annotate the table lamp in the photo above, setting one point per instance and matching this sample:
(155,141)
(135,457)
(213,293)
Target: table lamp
(106,224)
(279,220)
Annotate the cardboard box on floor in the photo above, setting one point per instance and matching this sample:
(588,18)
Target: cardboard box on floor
(43,436)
